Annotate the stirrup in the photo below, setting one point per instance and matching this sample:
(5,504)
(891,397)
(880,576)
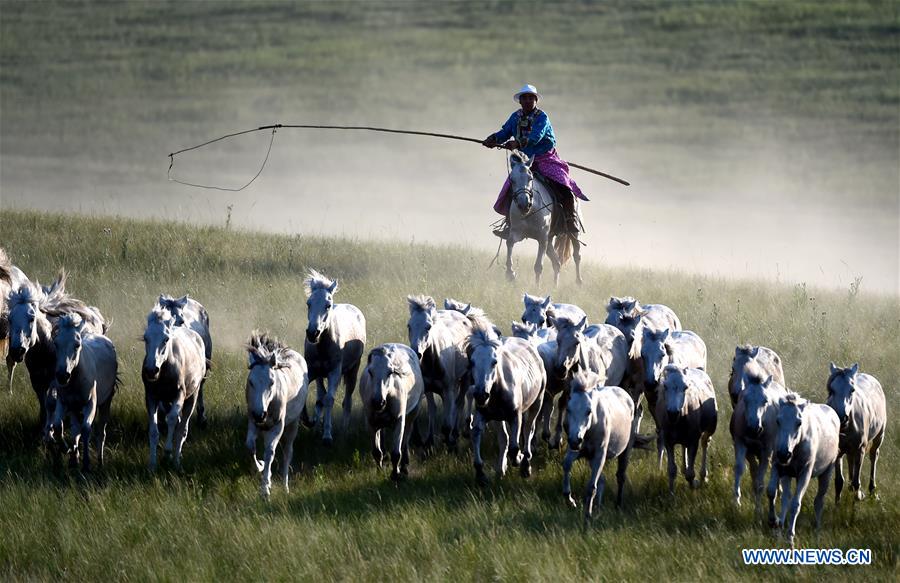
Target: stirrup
(502,232)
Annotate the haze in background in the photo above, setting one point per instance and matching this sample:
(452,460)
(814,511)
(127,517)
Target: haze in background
(761,139)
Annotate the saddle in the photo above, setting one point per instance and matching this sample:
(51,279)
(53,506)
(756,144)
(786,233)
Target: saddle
(557,212)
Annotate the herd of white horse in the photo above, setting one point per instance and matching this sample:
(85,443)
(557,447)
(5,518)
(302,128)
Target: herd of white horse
(597,378)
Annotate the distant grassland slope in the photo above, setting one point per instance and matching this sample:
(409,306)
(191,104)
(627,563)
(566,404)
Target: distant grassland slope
(690,87)
(343,519)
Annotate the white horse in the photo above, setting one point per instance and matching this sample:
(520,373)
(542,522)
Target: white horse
(600,421)
(753,429)
(748,357)
(600,349)
(540,311)
(544,339)
(32,312)
(531,217)
(508,382)
(687,416)
(626,313)
(858,400)
(658,349)
(11,279)
(86,378)
(806,447)
(173,371)
(391,390)
(190,313)
(438,337)
(276,390)
(335,341)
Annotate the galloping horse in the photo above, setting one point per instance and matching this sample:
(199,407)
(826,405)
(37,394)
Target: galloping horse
(530,217)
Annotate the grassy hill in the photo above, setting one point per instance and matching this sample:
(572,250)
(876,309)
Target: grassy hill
(343,518)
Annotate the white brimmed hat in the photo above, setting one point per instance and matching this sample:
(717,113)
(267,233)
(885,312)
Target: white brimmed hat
(527,89)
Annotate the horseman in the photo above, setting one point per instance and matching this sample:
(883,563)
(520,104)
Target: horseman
(529,131)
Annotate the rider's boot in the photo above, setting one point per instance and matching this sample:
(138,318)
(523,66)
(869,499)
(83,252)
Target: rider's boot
(503,230)
(567,201)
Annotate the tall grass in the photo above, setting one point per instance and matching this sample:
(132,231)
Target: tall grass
(343,518)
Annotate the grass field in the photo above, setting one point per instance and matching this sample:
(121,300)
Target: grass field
(344,519)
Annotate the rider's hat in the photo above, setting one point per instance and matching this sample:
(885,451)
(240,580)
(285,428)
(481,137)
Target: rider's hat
(527,89)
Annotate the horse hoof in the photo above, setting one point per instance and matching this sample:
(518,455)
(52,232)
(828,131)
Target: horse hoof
(327,441)
(571,501)
(510,276)
(482,479)
(525,470)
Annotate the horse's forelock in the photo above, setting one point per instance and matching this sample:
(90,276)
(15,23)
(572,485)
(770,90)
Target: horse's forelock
(420,303)
(316,281)
(26,294)
(67,321)
(482,338)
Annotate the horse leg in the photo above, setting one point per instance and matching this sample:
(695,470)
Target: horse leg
(271,442)
(785,499)
(510,242)
(397,448)
(201,406)
(432,420)
(740,456)
(546,413)
(100,433)
(571,456)
(796,500)
(539,261)
(250,444)
(349,386)
(334,379)
(624,459)
(819,503)
(838,478)
(377,452)
(855,458)
(477,432)
(704,469)
(89,413)
(554,259)
(172,418)
(561,403)
(502,447)
(181,432)
(153,430)
(873,458)
(531,428)
(515,453)
(690,464)
(673,467)
(576,253)
(772,493)
(287,451)
(320,398)
(410,423)
(596,484)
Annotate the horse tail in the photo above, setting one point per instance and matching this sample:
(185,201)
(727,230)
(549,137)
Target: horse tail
(564,247)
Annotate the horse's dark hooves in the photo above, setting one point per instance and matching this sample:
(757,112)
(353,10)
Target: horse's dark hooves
(327,441)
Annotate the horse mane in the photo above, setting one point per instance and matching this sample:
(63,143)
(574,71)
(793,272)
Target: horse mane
(517,156)
(755,374)
(28,293)
(745,349)
(530,328)
(619,303)
(56,301)
(159,313)
(316,280)
(261,348)
(65,321)
(394,360)
(479,320)
(482,338)
(420,303)
(792,398)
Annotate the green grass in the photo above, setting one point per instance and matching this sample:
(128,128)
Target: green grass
(343,518)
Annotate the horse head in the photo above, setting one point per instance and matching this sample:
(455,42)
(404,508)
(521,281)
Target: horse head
(521,179)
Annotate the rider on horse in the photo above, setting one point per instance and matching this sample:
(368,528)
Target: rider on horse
(529,131)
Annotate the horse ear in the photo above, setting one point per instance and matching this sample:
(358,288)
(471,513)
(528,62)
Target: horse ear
(333,287)
(467,309)
(768,381)
(754,352)
(664,335)
(833,367)
(629,305)
(854,369)
(551,319)
(612,304)
(582,324)
(546,303)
